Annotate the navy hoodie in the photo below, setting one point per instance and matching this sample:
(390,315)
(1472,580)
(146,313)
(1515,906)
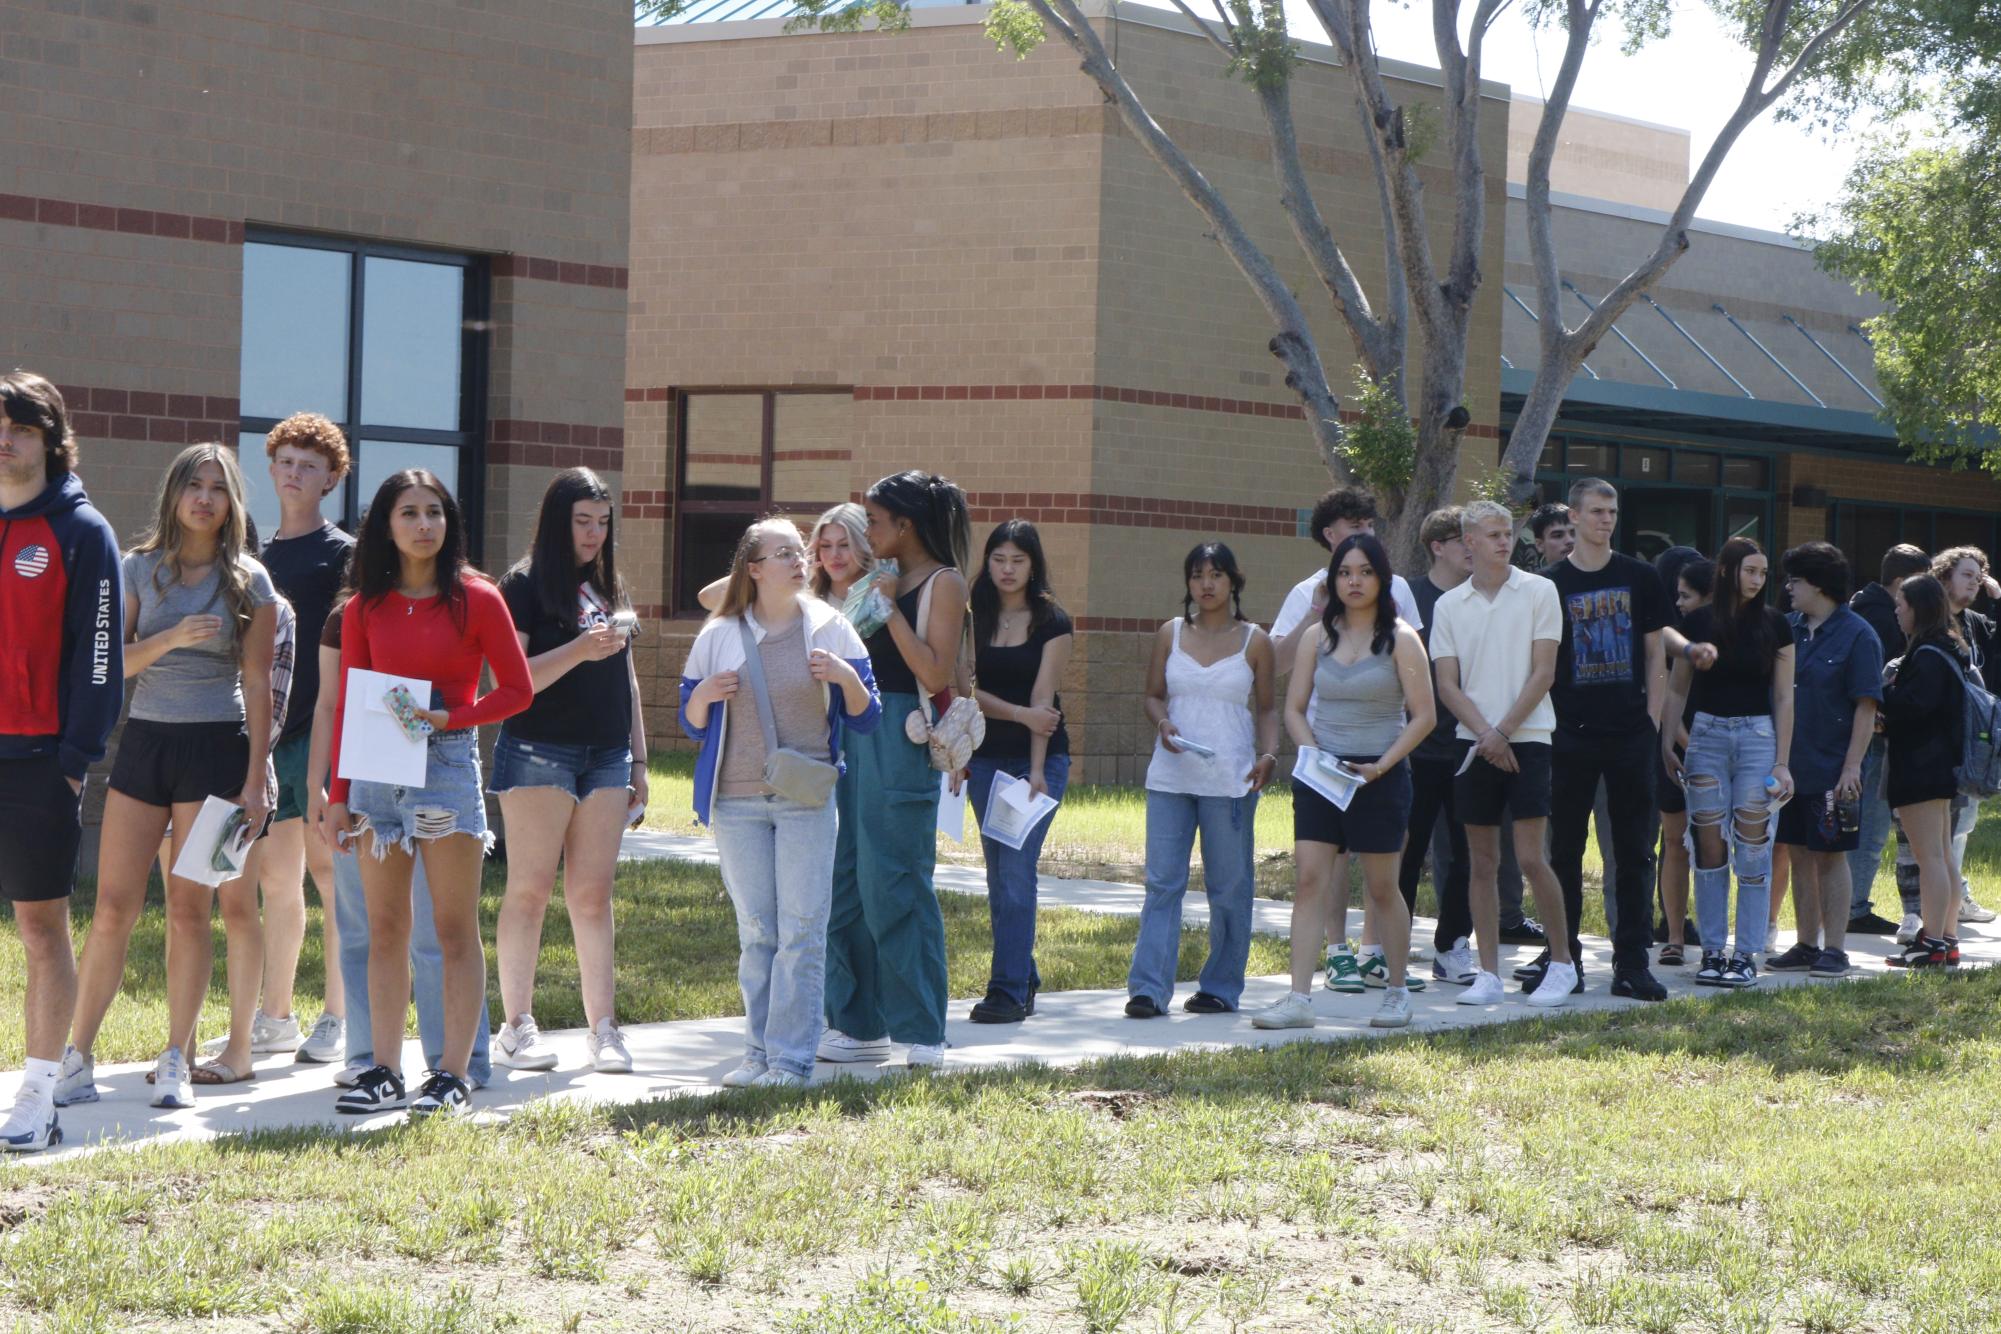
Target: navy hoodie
(62,629)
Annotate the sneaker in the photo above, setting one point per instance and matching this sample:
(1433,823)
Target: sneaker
(746,1074)
(1528,931)
(268,1035)
(173,1083)
(1458,965)
(1558,983)
(1927,952)
(775,1078)
(1711,972)
(1740,972)
(1293,1011)
(1533,982)
(1908,931)
(1375,970)
(31,1127)
(1870,924)
(379,1089)
(838,1047)
(1343,974)
(76,1082)
(609,1055)
(351,1071)
(443,1094)
(925,1055)
(1795,960)
(1533,968)
(1143,1007)
(1395,1009)
(1638,984)
(1485,990)
(325,1043)
(998,1008)
(519,1046)
(1204,1003)
(1952,951)
(1831,964)
(1969,911)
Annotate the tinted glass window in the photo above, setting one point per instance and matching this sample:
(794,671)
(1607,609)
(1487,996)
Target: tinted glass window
(411,317)
(295,311)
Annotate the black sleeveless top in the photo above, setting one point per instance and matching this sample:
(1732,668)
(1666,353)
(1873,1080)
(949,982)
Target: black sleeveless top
(892,674)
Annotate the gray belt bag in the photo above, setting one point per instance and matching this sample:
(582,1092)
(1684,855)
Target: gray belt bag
(793,776)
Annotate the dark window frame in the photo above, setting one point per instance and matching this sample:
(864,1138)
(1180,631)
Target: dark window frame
(470,438)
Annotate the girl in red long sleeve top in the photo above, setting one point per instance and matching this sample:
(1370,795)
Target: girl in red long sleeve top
(419,611)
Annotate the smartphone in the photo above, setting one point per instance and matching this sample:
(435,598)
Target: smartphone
(626,622)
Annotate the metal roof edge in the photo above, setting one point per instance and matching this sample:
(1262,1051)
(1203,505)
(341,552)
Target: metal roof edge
(1720,407)
(1639,213)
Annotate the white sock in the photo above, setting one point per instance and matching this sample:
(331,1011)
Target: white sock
(39,1080)
(1395,991)
(1376,950)
(1302,996)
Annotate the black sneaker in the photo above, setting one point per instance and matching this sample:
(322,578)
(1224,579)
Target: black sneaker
(1142,1007)
(1528,931)
(443,1094)
(1203,1003)
(1923,952)
(1638,984)
(1830,966)
(998,1009)
(1740,972)
(1869,924)
(379,1089)
(1711,972)
(1533,968)
(1795,960)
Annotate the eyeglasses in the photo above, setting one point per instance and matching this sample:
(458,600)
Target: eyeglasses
(791,555)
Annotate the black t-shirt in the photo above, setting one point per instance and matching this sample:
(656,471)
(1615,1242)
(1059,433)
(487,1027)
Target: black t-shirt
(1601,665)
(1738,686)
(589,705)
(308,570)
(1010,673)
(892,674)
(1442,742)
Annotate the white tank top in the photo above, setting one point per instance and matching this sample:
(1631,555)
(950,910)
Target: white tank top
(1211,705)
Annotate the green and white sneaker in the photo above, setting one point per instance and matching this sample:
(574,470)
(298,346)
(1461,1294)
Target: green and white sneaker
(1342,974)
(1375,971)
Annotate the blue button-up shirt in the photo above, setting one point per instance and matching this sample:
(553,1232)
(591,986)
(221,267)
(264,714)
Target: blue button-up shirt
(1833,667)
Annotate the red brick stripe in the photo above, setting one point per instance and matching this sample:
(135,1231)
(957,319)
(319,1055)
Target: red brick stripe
(141,414)
(1116,624)
(1133,512)
(777,456)
(560,271)
(646,505)
(555,444)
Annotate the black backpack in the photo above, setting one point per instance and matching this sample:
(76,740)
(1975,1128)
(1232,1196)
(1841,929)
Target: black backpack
(1979,770)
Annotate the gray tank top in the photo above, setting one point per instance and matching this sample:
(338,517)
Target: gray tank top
(1357,709)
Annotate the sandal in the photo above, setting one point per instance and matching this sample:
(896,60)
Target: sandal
(216,1072)
(1671,955)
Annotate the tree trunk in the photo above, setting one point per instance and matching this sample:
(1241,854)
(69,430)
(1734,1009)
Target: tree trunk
(1531,432)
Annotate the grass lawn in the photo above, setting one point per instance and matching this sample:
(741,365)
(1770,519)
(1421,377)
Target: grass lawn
(677,955)
(1800,1160)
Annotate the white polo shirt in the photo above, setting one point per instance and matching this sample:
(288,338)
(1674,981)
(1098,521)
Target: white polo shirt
(1298,603)
(1494,640)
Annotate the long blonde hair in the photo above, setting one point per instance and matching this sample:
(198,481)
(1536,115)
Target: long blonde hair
(854,519)
(742,591)
(166,537)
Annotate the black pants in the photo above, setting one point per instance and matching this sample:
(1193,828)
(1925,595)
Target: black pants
(1625,764)
(1431,796)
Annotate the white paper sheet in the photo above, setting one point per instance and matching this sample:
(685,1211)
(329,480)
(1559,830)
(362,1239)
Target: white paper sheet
(1326,774)
(373,747)
(951,809)
(1013,811)
(206,844)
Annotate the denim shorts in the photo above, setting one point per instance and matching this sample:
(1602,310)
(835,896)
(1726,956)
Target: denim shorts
(448,803)
(577,770)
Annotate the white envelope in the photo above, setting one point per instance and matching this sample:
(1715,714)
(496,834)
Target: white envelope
(373,746)
(951,809)
(205,844)
(1013,811)
(1329,775)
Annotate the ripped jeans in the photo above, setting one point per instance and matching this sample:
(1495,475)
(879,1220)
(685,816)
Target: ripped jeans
(1728,761)
(449,802)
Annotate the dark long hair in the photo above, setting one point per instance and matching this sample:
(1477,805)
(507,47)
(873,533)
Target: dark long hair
(378,566)
(1224,561)
(1385,636)
(936,508)
(1734,617)
(1932,620)
(551,563)
(986,597)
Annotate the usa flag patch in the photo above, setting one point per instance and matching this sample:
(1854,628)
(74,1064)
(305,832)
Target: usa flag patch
(32,561)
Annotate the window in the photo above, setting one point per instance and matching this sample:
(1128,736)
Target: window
(1746,474)
(748,453)
(385,340)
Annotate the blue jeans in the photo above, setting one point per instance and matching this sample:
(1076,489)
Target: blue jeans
(427,965)
(1011,879)
(1728,761)
(1868,855)
(778,865)
(1228,826)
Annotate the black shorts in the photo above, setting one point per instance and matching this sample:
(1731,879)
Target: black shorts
(1669,797)
(1803,822)
(41,828)
(163,764)
(1483,792)
(1376,820)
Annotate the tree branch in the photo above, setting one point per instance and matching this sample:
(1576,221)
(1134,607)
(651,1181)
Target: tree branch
(1550,327)
(1228,48)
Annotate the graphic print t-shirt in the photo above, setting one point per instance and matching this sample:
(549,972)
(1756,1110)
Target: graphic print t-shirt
(1601,667)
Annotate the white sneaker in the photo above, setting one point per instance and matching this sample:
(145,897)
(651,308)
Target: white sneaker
(1458,965)
(350,1073)
(922,1055)
(76,1082)
(609,1055)
(745,1075)
(173,1084)
(1969,911)
(1486,990)
(839,1047)
(774,1078)
(1395,1011)
(325,1043)
(32,1126)
(267,1035)
(1908,932)
(519,1046)
(1554,990)
(1293,1011)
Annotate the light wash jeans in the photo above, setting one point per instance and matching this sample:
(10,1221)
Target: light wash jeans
(1228,827)
(427,964)
(1867,858)
(1965,815)
(778,865)
(1727,764)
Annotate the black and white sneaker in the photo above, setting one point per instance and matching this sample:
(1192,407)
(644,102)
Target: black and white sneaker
(1711,972)
(1531,972)
(379,1089)
(1740,971)
(442,1094)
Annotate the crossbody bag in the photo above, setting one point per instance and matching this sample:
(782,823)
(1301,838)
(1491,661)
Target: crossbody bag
(792,775)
